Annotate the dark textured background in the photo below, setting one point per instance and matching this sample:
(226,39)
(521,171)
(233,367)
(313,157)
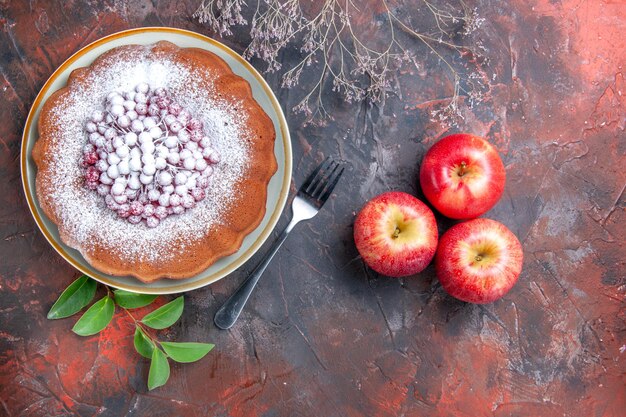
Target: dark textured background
(323,335)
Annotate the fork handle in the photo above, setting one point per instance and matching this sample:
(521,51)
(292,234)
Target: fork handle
(228,313)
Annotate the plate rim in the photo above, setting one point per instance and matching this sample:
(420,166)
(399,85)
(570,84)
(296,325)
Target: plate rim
(179,286)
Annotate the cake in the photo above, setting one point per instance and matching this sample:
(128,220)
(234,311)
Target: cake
(154,161)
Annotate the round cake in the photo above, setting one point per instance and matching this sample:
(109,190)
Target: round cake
(154,161)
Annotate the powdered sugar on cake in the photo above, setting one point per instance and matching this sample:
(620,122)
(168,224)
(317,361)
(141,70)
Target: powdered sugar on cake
(85,215)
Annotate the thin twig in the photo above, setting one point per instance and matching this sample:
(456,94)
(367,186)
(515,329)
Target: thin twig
(357,70)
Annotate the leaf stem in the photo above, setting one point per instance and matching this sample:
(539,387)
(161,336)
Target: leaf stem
(141,326)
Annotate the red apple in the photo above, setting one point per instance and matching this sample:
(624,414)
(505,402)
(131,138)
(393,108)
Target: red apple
(396,234)
(478,261)
(462,176)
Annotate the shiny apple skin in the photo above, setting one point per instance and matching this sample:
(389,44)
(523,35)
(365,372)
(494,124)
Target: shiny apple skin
(414,247)
(483,280)
(477,190)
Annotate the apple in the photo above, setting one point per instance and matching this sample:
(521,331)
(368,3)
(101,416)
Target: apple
(478,261)
(396,234)
(462,176)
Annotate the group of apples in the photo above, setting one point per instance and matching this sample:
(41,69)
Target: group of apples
(477,260)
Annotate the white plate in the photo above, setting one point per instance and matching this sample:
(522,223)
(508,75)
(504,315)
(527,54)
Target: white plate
(278,188)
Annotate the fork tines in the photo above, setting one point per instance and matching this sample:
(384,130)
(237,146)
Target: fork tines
(323,180)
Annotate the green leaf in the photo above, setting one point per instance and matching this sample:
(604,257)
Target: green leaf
(166,315)
(143,345)
(96,318)
(132,300)
(186,352)
(74,298)
(159,369)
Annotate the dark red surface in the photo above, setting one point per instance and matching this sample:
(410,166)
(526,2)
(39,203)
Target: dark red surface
(323,335)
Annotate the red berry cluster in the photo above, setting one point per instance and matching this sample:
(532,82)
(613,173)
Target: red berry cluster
(147,155)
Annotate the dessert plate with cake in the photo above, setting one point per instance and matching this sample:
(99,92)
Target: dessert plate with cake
(156,160)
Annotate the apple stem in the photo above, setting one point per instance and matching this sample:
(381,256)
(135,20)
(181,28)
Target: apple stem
(396,233)
(478,258)
(462,169)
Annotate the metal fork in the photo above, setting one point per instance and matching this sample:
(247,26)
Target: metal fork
(309,200)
